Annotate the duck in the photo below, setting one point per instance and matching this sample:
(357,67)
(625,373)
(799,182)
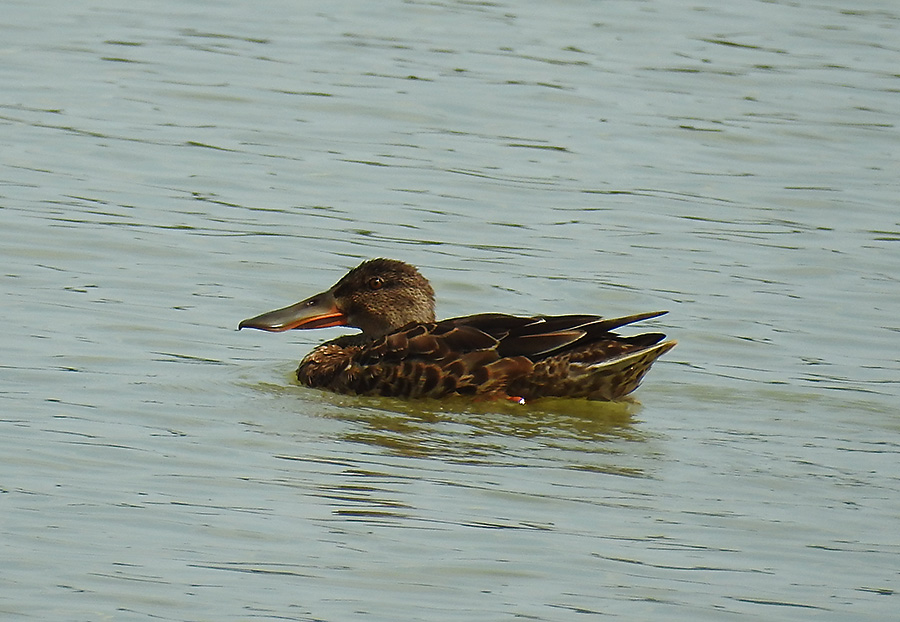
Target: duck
(402,351)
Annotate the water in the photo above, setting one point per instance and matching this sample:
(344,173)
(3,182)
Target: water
(170,168)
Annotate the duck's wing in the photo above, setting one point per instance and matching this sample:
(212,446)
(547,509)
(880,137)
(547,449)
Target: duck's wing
(540,337)
(576,355)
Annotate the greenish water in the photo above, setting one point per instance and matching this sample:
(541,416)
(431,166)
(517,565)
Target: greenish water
(171,168)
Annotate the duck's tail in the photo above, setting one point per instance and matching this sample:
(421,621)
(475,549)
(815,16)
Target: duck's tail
(617,377)
(608,378)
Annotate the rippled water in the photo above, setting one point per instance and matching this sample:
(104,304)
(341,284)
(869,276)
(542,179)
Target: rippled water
(171,168)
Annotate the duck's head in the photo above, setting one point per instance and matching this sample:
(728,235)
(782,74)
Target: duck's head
(378,296)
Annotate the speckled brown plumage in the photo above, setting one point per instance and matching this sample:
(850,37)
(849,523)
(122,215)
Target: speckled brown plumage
(403,352)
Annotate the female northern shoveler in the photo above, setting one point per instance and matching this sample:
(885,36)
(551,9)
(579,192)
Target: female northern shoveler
(403,352)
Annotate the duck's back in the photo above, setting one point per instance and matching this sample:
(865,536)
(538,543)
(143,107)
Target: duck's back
(491,356)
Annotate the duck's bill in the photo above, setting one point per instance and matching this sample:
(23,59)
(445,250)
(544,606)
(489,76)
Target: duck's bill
(319,311)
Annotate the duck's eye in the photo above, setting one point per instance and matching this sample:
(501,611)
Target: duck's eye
(376,282)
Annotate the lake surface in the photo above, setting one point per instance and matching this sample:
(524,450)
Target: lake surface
(170,168)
